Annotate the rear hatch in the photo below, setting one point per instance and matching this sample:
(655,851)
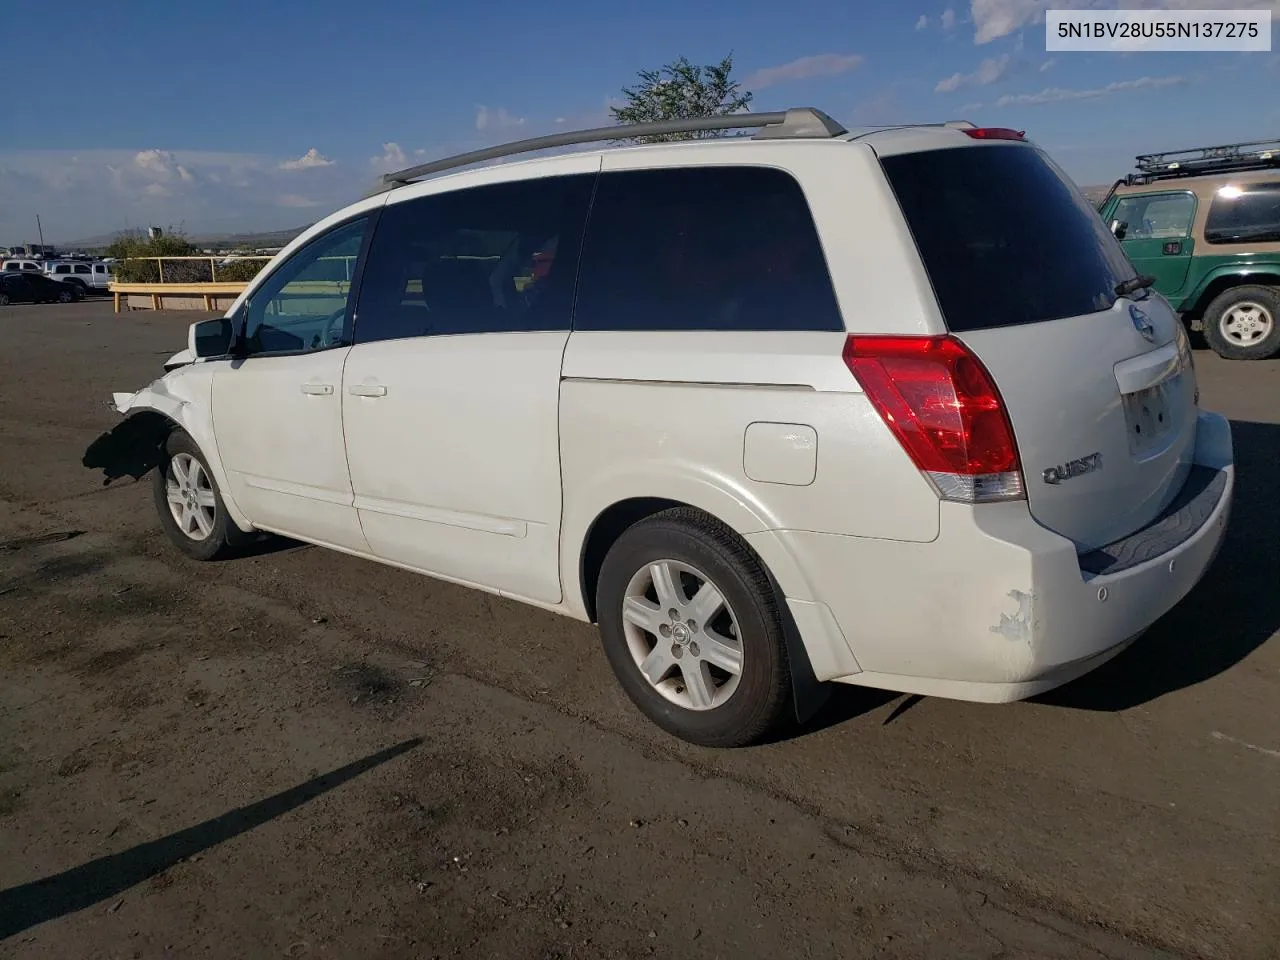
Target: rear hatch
(1099,388)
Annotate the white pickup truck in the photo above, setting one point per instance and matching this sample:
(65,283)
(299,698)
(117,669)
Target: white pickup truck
(89,276)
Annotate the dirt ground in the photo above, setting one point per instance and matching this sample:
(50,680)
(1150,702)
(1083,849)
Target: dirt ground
(301,754)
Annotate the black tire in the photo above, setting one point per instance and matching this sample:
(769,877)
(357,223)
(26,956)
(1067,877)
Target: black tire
(4,299)
(1267,302)
(65,296)
(224,539)
(690,537)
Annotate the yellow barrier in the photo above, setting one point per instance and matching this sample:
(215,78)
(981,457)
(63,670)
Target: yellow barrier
(211,292)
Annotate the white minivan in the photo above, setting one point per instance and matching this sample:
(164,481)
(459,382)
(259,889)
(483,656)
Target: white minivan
(883,407)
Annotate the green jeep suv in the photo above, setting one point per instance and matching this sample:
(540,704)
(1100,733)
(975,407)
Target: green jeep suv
(1205,225)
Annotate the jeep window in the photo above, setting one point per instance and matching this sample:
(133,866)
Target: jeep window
(703,248)
(1249,214)
(1156,216)
(1006,238)
(81,268)
(490,259)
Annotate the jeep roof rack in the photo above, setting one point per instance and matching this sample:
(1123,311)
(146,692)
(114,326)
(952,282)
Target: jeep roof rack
(1199,161)
(795,123)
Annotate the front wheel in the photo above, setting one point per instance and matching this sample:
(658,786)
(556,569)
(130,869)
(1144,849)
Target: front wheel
(190,505)
(65,296)
(1243,323)
(4,299)
(691,628)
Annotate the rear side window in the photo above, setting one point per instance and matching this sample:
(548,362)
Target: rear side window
(62,268)
(1005,237)
(1249,214)
(491,259)
(82,268)
(703,248)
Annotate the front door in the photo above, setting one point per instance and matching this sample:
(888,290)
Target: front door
(1158,241)
(451,393)
(277,411)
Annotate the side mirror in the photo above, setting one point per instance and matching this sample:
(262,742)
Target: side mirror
(210,338)
(1119,228)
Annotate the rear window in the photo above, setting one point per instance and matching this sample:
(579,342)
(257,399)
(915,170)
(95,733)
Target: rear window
(1249,214)
(1005,236)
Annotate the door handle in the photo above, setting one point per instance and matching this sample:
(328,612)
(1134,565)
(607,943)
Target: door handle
(367,390)
(318,389)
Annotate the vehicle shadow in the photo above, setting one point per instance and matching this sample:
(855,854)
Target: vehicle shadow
(32,903)
(1234,610)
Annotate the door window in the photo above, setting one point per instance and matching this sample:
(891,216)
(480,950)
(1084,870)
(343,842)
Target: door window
(303,305)
(703,248)
(1164,216)
(82,268)
(489,259)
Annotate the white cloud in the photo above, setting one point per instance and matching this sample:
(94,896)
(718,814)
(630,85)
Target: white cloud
(993,19)
(948,19)
(1047,65)
(392,156)
(312,158)
(922,23)
(816,65)
(1060,94)
(499,119)
(295,201)
(989,71)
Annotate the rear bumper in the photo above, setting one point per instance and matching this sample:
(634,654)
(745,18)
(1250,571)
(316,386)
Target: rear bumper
(999,608)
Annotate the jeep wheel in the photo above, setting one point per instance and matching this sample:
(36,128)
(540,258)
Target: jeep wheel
(690,625)
(1243,323)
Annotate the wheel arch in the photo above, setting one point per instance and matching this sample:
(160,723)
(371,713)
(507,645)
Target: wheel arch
(1222,280)
(808,695)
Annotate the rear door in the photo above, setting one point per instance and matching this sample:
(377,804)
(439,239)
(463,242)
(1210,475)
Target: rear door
(451,393)
(1098,387)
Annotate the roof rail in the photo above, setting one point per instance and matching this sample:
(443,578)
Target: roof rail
(1198,161)
(795,123)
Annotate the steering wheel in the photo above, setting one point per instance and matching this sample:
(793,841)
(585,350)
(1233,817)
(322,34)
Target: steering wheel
(331,332)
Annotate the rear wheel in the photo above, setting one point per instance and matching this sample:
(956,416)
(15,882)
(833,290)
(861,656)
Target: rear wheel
(691,628)
(190,505)
(4,299)
(65,296)
(1243,323)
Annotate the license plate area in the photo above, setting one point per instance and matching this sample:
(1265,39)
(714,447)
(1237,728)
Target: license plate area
(1149,416)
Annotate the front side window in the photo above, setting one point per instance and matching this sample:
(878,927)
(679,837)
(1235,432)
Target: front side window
(81,268)
(498,258)
(62,268)
(703,248)
(1248,214)
(1160,216)
(303,304)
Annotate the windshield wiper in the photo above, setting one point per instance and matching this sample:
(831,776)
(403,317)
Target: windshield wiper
(1133,285)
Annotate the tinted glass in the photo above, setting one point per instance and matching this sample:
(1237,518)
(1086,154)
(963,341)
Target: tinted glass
(302,306)
(1250,216)
(703,248)
(62,268)
(1005,237)
(489,259)
(82,268)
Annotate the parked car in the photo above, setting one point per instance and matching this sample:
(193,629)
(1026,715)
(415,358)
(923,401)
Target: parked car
(21,266)
(1205,223)
(806,406)
(27,287)
(88,276)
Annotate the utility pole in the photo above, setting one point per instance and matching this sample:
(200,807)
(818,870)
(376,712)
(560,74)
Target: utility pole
(40,230)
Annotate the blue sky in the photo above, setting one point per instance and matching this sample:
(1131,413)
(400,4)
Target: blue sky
(236,116)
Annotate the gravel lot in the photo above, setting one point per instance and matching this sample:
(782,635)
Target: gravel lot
(302,754)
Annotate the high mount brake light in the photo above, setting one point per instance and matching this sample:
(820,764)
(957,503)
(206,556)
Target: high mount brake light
(995,133)
(943,407)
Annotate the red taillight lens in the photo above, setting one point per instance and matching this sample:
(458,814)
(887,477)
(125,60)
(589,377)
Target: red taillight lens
(994,133)
(942,405)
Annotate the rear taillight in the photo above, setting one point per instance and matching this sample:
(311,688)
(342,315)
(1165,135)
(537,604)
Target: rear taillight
(942,405)
(994,133)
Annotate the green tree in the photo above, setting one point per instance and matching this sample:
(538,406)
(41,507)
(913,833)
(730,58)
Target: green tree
(682,90)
